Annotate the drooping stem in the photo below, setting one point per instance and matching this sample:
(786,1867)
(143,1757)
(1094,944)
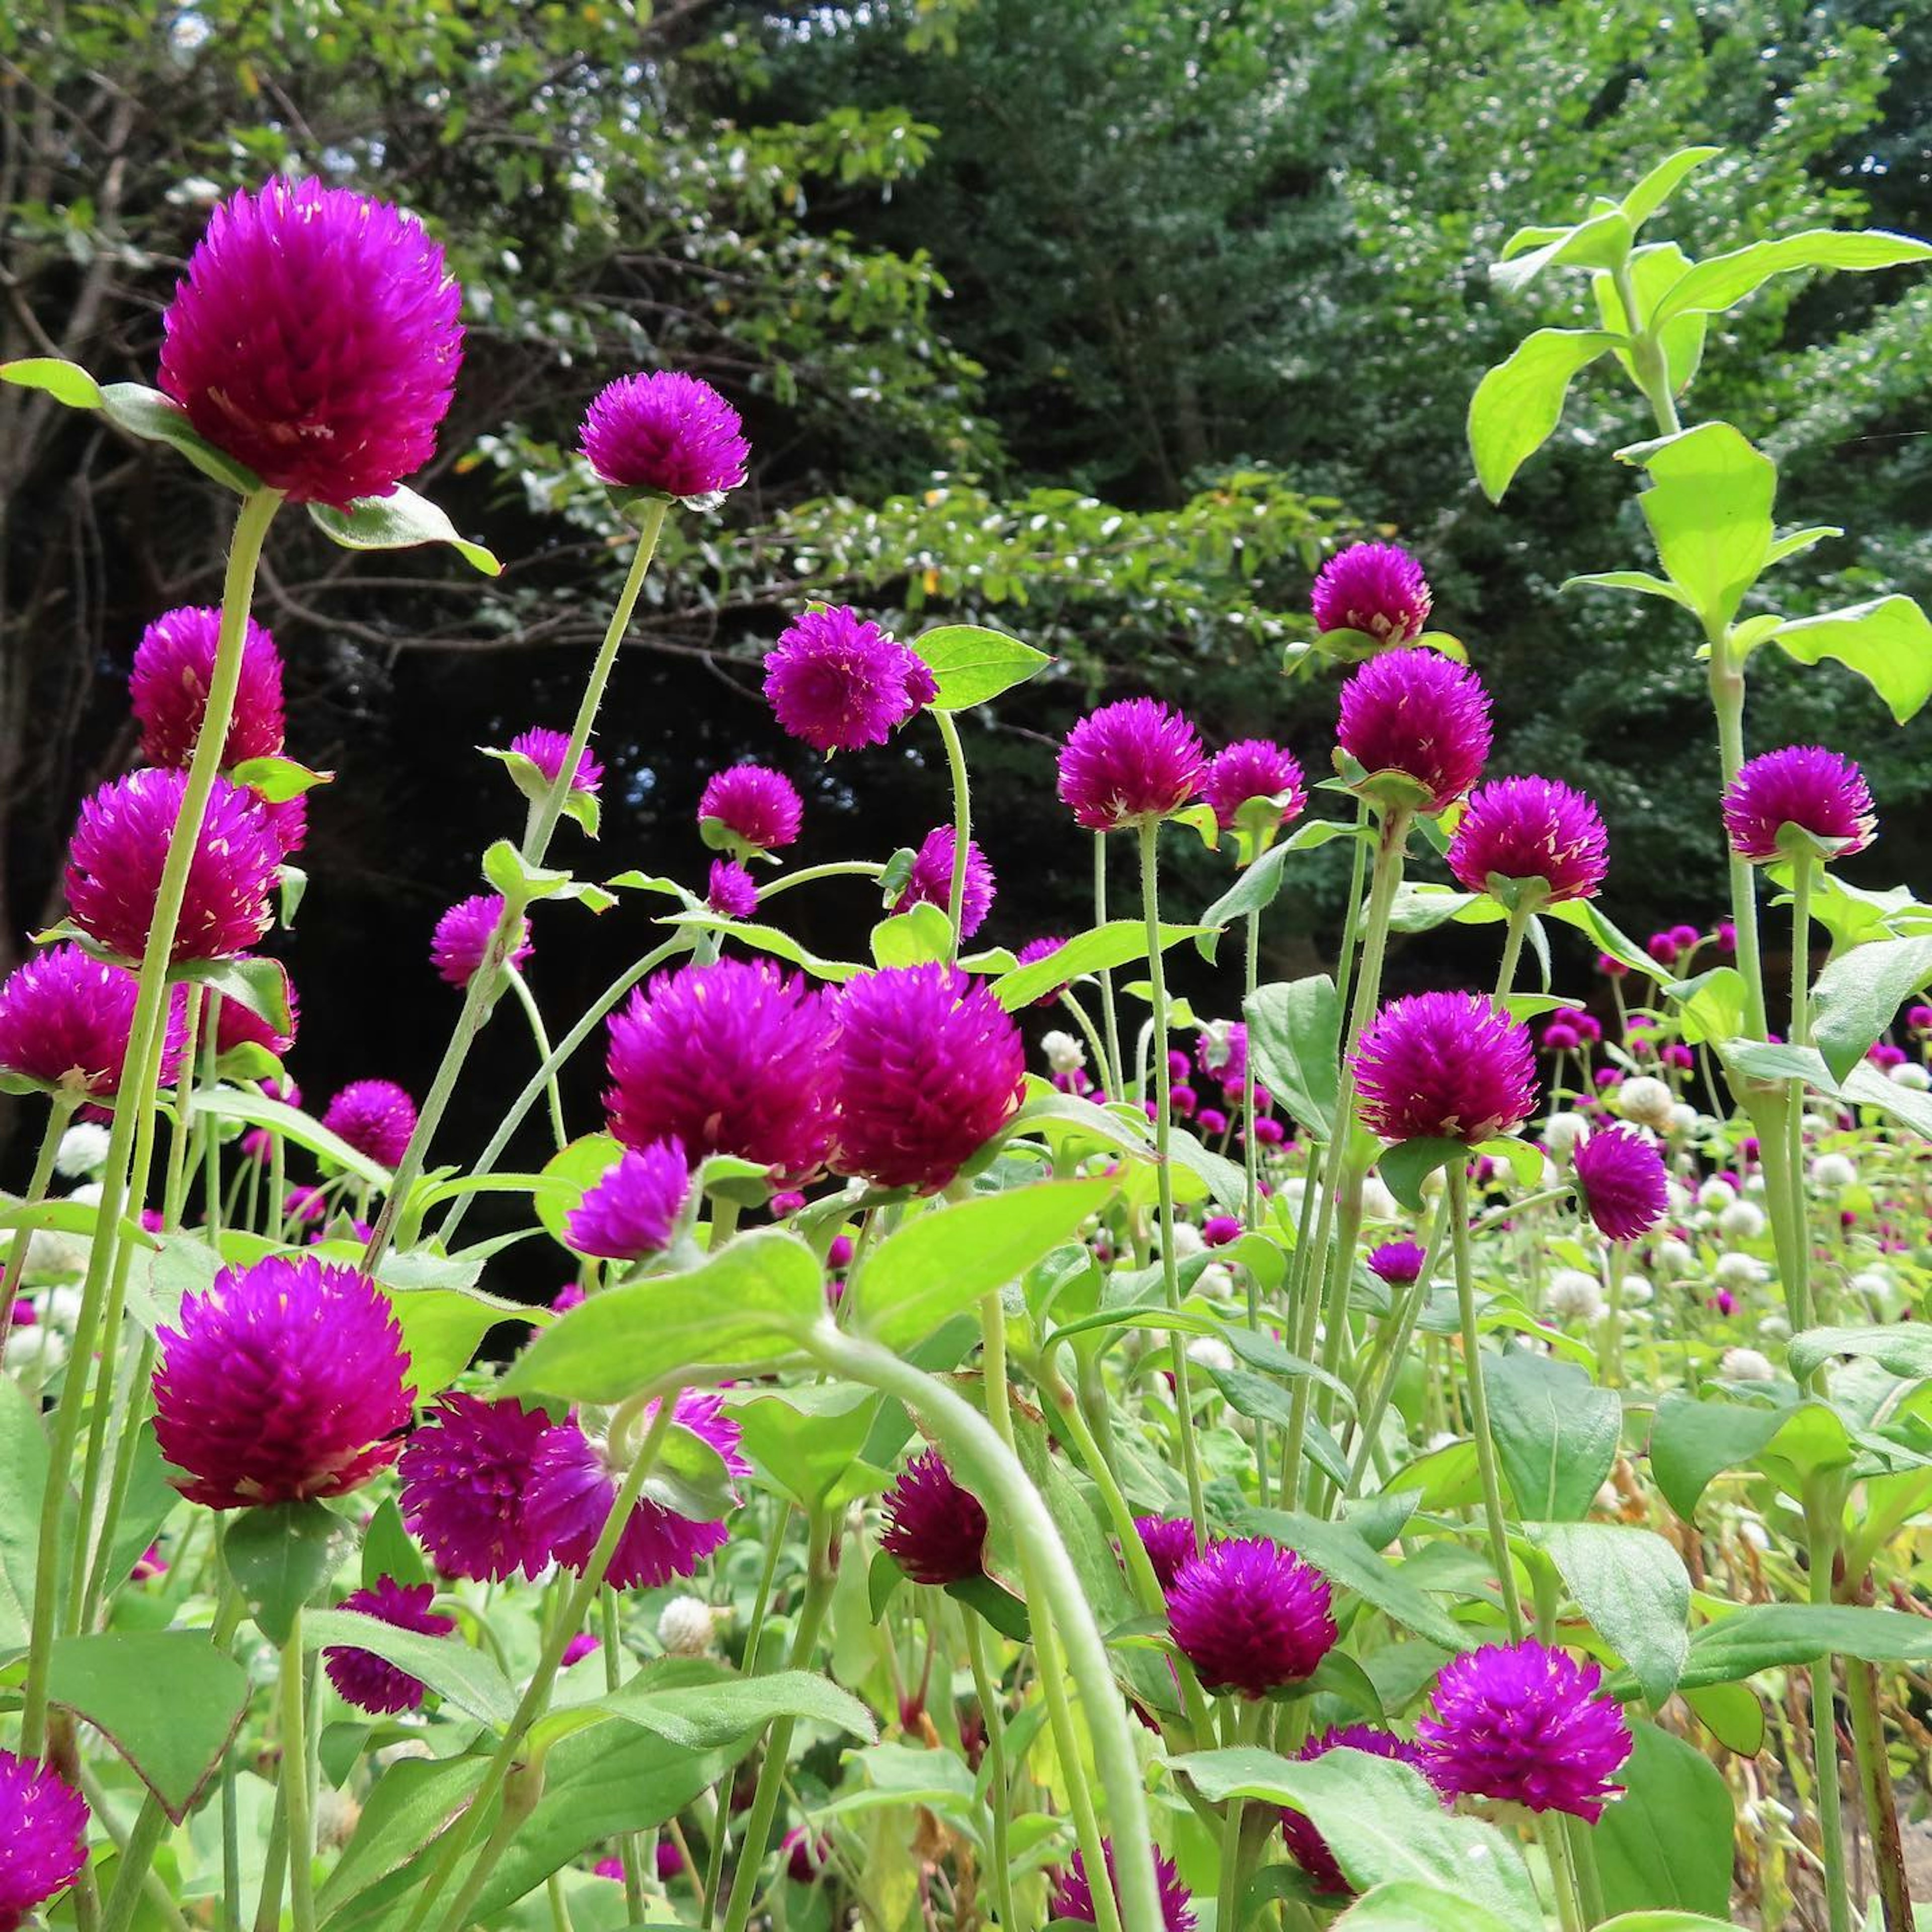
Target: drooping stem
(962,824)
(1117,1071)
(841,869)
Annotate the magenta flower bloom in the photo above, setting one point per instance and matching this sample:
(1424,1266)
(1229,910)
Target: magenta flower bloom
(666,432)
(120,846)
(759,807)
(372,1683)
(930,883)
(1306,1845)
(927,1066)
(633,1211)
(315,338)
(237,1025)
(1126,763)
(1073,1895)
(464,1475)
(375,1117)
(547,749)
(729,1058)
(1221,1052)
(935,1530)
(461,942)
(1169,1542)
(1375,588)
(581,1645)
(64,1019)
(43,1837)
(1420,714)
(1519,829)
(732,892)
(1621,1177)
(1398,1263)
(1032,953)
(1524,1724)
(1252,768)
(804,1856)
(1250,1616)
(173,663)
(1820,792)
(286,1380)
(839,682)
(1445,1065)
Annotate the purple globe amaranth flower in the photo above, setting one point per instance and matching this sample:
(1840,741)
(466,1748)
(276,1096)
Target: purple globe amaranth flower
(461,942)
(927,1066)
(1129,762)
(1419,713)
(1252,768)
(1525,1725)
(43,1837)
(372,1683)
(633,1211)
(315,338)
(64,1020)
(465,1473)
(837,681)
(547,749)
(1307,1845)
(1560,1037)
(935,1530)
(1072,1895)
(1446,1065)
(287,1380)
(731,891)
(1373,587)
(666,432)
(1620,1176)
(573,1486)
(1169,1542)
(237,1025)
(1398,1263)
(1250,1616)
(120,845)
(375,1117)
(931,881)
(1531,828)
(581,1645)
(733,1057)
(1821,792)
(757,806)
(173,664)
(1221,1052)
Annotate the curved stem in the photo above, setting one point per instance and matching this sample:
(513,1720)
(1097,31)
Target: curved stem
(1399,1337)
(854,869)
(1095,1045)
(527,1000)
(962,824)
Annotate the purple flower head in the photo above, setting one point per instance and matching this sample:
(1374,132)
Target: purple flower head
(1919,1018)
(935,1530)
(666,432)
(546,748)
(173,663)
(728,1058)
(1252,768)
(633,1211)
(237,1026)
(927,1066)
(1398,1263)
(464,1475)
(803,1854)
(1446,1065)
(64,1019)
(1663,947)
(1611,967)
(315,338)
(286,1380)
(1525,1725)
(1687,937)
(1725,938)
(1218,1230)
(1519,829)
(670,1861)
(839,682)
(121,844)
(581,1645)
(1820,792)
(461,941)
(1032,953)
(1419,713)
(375,1117)
(43,1836)
(731,891)
(1620,1175)
(372,1683)
(1306,1845)
(1073,1895)
(1250,1616)
(930,881)
(1169,1542)
(1126,763)
(1221,1052)
(1373,587)
(1560,1037)
(1212,1120)
(759,807)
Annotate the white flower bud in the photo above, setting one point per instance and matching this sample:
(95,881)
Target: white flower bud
(1573,1296)
(1774,1328)
(1745,1365)
(1561,1131)
(1874,1284)
(1673,1256)
(1910,1073)
(61,1306)
(1215,1278)
(1738,1272)
(1754,1532)
(36,1347)
(403,1747)
(1636,1292)
(1684,1119)
(337,1815)
(1606,1499)
(1677,1197)
(1064,1054)
(686,1626)
(1716,1195)
(82,1151)
(1741,1221)
(1817,1126)
(87,1194)
(1833,1173)
(1442,1439)
(1377,1203)
(50,1255)
(1216,1044)
(1210,1351)
(1646,1101)
(1187,1241)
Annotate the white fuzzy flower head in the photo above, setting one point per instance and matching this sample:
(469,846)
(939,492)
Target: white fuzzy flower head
(82,1151)
(1817,1126)
(1833,1173)
(1646,1101)
(685,1627)
(1561,1131)
(51,1256)
(389,1754)
(1754,1186)
(1716,1195)
(35,1348)
(1216,1279)
(1636,1292)
(1738,1272)
(1774,1328)
(1442,1439)
(337,1816)
(59,1305)
(1187,1241)
(1377,1203)
(1910,1073)
(1745,1365)
(1210,1351)
(1741,1221)
(1754,1532)
(1684,1119)
(1874,1284)
(87,1194)
(1677,1198)
(1573,1296)
(1064,1054)
(1673,1256)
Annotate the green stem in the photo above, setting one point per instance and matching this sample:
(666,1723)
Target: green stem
(1804,871)
(1117,1071)
(1520,915)
(843,868)
(527,1000)
(1244,1724)
(962,825)
(1562,1872)
(1822,1510)
(1095,1045)
(295,1781)
(1251,1149)
(1647,362)
(1390,1363)
(1894,1889)
(60,1114)
(1000,1794)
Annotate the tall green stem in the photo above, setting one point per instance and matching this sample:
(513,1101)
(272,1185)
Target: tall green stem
(1117,1069)
(1386,1371)
(527,1000)
(1894,1889)
(962,825)
(999,1795)
(295,1781)
(1823,1507)
(1805,874)
(60,1113)
(1520,915)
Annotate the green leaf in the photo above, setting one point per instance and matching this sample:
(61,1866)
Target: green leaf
(1799,540)
(411,1805)
(1901,1349)
(804,1439)
(1556,1431)
(972,666)
(1768,1636)
(1725,280)
(1859,994)
(1691,1441)
(1888,642)
(258,1111)
(387,1550)
(458,1673)
(278,779)
(1663,181)
(155,418)
(1732,1715)
(282,1557)
(1119,942)
(23,1482)
(1652,270)
(1601,242)
(399,521)
(1667,1841)
(1710,1006)
(697,1712)
(442,1327)
(1632,1586)
(1406,1906)
(1404,1166)
(1708,508)
(261,986)
(771,939)
(1519,403)
(67,382)
(567,1176)
(921,934)
(1342,1555)
(1640,581)
(1294,1034)
(1255,887)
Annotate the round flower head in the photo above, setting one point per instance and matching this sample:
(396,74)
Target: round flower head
(173,663)
(315,338)
(1252,768)
(1375,588)
(934,1530)
(375,1117)
(1524,1724)
(1250,1616)
(633,1211)
(839,682)
(1519,828)
(1073,1895)
(1822,794)
(1307,1845)
(666,432)
(1169,1542)
(804,1856)
(64,1019)
(573,1486)
(1398,1263)
(372,1683)
(286,1380)
(728,1058)
(546,750)
(237,1025)
(114,868)
(1221,1053)
(464,1474)
(930,882)
(757,806)
(461,941)
(1128,763)
(927,1066)
(1032,953)
(1622,1177)
(731,891)
(43,1837)
(1445,1065)
(1421,714)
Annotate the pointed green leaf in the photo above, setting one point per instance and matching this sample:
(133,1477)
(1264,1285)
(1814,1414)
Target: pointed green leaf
(459,1674)
(1888,642)
(1666,1842)
(1859,994)
(282,1557)
(1725,280)
(155,418)
(1404,1166)
(1640,581)
(972,665)
(1601,242)
(1556,1431)
(1708,508)
(399,521)
(1294,1032)
(67,382)
(1632,1586)
(1663,181)
(1120,942)
(1519,403)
